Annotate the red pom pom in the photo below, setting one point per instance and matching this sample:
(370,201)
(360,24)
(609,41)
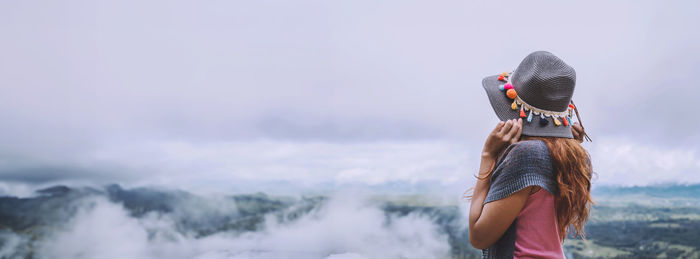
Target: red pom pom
(501,78)
(571,106)
(522,113)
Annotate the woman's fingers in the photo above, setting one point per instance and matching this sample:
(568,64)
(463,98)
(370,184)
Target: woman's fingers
(498,127)
(513,131)
(574,132)
(506,127)
(520,130)
(577,131)
(501,136)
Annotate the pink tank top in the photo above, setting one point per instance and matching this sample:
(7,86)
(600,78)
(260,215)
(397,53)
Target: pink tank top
(536,234)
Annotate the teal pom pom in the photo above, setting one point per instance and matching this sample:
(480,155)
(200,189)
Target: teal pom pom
(501,87)
(529,117)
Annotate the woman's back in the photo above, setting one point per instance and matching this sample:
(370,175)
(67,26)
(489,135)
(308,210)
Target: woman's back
(536,232)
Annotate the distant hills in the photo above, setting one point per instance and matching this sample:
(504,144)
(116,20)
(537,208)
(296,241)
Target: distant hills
(660,190)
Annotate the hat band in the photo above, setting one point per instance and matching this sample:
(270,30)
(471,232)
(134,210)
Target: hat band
(539,111)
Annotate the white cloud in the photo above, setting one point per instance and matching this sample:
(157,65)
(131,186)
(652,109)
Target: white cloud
(20,190)
(345,227)
(101,230)
(291,167)
(13,245)
(617,161)
(631,163)
(222,165)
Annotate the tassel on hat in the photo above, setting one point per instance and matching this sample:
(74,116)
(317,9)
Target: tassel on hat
(556,122)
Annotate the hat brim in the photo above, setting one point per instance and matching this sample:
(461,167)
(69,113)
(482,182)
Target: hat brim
(501,106)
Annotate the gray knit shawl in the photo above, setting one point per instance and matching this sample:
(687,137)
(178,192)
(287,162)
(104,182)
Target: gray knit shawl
(522,164)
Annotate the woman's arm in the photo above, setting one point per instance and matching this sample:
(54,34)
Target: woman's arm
(495,217)
(488,222)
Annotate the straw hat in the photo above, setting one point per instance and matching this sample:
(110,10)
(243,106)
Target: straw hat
(539,91)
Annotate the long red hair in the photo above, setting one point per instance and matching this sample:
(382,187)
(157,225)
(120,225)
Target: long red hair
(573,171)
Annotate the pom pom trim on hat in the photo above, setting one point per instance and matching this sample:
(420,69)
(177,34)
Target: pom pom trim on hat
(524,106)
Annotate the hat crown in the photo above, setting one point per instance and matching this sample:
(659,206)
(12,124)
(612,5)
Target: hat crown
(545,81)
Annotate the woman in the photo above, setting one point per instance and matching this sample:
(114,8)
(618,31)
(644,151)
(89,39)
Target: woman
(535,178)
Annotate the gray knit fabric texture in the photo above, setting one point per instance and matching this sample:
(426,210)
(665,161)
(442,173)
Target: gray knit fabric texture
(545,81)
(525,163)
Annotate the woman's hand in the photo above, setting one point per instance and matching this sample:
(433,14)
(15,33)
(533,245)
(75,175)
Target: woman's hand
(577,130)
(505,133)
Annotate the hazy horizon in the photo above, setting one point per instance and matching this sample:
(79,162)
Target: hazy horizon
(204,96)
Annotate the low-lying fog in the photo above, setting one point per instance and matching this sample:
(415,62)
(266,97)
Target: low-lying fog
(115,222)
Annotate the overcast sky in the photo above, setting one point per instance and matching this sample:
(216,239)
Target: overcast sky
(200,93)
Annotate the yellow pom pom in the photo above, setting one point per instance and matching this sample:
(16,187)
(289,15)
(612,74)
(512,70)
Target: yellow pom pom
(504,74)
(514,106)
(556,122)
